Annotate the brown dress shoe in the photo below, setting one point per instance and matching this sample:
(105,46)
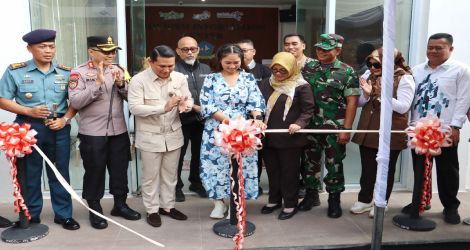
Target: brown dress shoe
(175,214)
(154,219)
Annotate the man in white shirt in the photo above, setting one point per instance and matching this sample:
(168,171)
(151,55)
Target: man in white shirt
(442,87)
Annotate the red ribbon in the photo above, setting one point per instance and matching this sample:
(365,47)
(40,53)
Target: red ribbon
(16,141)
(428,136)
(236,138)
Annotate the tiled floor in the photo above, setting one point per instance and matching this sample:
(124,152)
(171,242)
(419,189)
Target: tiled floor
(311,228)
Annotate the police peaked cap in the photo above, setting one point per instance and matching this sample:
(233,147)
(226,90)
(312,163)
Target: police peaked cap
(104,43)
(40,36)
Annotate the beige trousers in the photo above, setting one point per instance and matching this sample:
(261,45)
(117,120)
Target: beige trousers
(161,166)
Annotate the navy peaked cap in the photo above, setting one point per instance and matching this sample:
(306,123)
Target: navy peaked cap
(40,36)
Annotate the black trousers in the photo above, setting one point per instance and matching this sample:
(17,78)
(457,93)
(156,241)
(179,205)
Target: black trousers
(369,173)
(260,164)
(99,153)
(191,132)
(283,167)
(447,172)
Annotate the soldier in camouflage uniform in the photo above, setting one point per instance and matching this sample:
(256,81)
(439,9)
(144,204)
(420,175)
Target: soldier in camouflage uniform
(336,90)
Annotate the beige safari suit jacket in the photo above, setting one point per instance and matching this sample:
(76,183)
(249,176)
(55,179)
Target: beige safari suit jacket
(157,130)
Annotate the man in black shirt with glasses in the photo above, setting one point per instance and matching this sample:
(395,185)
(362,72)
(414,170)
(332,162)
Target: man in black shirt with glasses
(193,126)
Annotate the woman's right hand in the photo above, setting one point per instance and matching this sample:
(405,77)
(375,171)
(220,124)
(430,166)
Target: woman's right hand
(366,86)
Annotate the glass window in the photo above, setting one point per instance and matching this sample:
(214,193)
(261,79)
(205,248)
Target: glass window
(311,16)
(74,20)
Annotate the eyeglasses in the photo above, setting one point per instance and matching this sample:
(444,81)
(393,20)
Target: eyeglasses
(246,50)
(186,50)
(105,52)
(282,71)
(376,65)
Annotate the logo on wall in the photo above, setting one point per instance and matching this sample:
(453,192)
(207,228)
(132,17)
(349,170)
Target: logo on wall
(205,50)
(171,15)
(203,16)
(235,15)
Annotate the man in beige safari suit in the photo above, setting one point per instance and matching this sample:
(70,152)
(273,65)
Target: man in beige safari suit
(153,97)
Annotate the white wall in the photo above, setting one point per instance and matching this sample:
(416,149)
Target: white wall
(13,51)
(438,16)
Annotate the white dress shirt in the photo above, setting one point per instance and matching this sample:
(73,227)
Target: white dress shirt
(443,91)
(405,94)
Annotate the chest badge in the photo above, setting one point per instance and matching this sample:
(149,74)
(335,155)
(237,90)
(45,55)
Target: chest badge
(62,87)
(90,74)
(60,79)
(28,95)
(59,75)
(26,76)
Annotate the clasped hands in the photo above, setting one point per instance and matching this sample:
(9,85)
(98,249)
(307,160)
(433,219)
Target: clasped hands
(184,106)
(116,73)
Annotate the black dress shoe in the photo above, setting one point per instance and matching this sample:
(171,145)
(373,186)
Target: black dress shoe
(4,222)
(311,200)
(179,196)
(199,189)
(268,210)
(69,224)
(334,205)
(122,209)
(284,216)
(451,216)
(35,220)
(96,221)
(407,208)
(302,191)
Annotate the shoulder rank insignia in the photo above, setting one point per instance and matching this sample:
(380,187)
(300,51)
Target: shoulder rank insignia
(91,65)
(127,76)
(63,67)
(18,65)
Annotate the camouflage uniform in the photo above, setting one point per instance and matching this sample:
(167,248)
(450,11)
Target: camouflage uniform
(330,89)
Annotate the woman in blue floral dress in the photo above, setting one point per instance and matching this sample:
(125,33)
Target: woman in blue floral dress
(227,94)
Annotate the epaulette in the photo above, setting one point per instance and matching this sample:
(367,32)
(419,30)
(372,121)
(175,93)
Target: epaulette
(63,67)
(18,65)
(127,76)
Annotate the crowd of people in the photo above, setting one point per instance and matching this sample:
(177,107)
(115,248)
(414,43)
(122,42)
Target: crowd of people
(177,102)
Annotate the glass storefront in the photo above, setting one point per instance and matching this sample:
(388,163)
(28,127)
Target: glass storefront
(74,20)
(360,22)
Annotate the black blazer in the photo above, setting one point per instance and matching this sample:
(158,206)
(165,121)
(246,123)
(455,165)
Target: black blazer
(300,113)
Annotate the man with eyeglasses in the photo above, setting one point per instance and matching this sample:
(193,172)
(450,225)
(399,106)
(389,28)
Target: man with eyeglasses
(336,91)
(98,89)
(261,72)
(195,73)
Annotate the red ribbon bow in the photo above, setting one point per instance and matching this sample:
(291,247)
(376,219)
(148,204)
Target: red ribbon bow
(16,141)
(429,135)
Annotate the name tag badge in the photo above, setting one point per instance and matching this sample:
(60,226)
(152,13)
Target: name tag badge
(27,81)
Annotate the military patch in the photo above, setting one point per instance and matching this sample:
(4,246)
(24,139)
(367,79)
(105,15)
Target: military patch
(26,76)
(18,65)
(91,65)
(90,74)
(60,79)
(73,80)
(63,67)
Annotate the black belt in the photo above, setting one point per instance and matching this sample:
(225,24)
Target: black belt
(35,120)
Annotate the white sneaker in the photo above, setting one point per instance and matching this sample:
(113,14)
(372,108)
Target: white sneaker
(371,213)
(360,207)
(219,210)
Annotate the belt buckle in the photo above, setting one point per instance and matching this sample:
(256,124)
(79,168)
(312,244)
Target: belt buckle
(45,121)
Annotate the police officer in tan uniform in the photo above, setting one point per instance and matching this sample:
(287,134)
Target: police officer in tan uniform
(156,97)
(93,87)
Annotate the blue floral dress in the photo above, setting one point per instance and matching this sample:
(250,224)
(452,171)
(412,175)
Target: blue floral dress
(217,95)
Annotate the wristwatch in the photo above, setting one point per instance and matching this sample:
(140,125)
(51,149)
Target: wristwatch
(454,127)
(346,128)
(67,120)
(259,117)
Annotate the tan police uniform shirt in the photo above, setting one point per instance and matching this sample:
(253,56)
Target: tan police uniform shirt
(93,103)
(157,130)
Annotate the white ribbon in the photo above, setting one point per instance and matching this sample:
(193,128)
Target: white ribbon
(76,197)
